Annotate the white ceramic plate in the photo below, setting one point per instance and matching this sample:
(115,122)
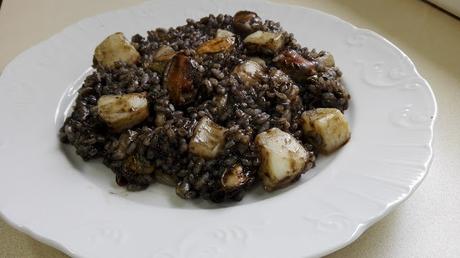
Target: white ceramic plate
(49,193)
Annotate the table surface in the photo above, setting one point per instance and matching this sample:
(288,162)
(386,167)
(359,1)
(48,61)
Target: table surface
(426,225)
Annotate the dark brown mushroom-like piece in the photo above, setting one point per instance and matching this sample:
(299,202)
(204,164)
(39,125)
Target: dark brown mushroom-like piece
(245,22)
(178,79)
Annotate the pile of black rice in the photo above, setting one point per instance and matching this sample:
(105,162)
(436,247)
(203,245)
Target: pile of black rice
(162,139)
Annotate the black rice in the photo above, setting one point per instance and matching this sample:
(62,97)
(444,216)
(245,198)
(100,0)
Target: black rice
(162,139)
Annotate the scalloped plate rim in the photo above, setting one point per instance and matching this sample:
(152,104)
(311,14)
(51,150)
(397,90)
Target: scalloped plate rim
(362,227)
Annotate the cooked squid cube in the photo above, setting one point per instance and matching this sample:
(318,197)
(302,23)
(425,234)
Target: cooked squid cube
(265,42)
(115,48)
(283,158)
(234,178)
(249,72)
(123,111)
(208,139)
(295,65)
(327,127)
(216,45)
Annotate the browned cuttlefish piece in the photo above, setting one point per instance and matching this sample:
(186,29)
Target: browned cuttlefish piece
(223,42)
(178,79)
(115,48)
(283,158)
(121,112)
(295,65)
(327,128)
(216,45)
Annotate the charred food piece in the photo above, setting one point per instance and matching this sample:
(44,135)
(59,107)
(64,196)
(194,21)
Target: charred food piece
(263,42)
(121,112)
(326,127)
(208,139)
(115,48)
(295,65)
(246,22)
(283,158)
(178,79)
